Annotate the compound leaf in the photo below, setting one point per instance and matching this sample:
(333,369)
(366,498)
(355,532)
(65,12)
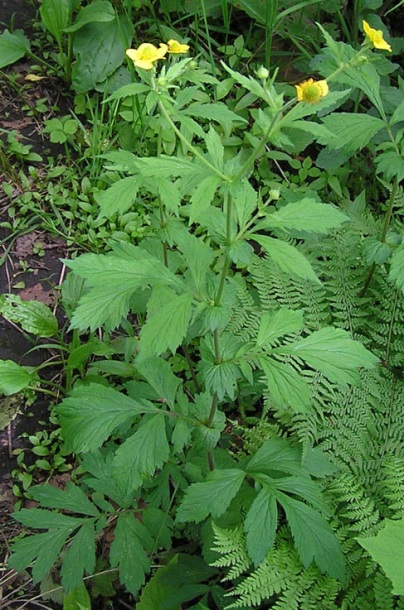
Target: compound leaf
(128,553)
(92,412)
(211,497)
(79,557)
(387,549)
(334,353)
(143,452)
(260,525)
(314,539)
(73,498)
(288,257)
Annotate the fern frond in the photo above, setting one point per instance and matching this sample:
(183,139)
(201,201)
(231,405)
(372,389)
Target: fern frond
(230,544)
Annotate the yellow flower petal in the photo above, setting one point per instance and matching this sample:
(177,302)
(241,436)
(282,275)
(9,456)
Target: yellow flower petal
(375,37)
(311,91)
(177,47)
(146,54)
(34,77)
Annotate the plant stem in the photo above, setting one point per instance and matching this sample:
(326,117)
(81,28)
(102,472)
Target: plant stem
(386,226)
(190,146)
(228,204)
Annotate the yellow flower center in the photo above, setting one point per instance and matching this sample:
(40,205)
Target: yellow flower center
(311,91)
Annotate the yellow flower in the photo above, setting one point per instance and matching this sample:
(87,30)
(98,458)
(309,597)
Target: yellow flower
(311,91)
(375,37)
(145,56)
(177,47)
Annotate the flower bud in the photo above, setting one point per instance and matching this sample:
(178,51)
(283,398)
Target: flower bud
(262,73)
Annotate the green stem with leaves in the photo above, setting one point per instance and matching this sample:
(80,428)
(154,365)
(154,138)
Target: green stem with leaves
(386,225)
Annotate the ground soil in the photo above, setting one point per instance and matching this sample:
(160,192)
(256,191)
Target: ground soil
(26,269)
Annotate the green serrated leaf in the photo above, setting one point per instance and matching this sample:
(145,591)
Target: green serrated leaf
(42,550)
(143,452)
(387,549)
(203,196)
(73,498)
(277,324)
(91,413)
(314,539)
(119,197)
(112,281)
(198,255)
(261,524)
(175,584)
(276,455)
(245,200)
(397,268)
(334,353)
(350,131)
(215,148)
(286,386)
(288,257)
(306,215)
(79,559)
(77,599)
(211,497)
(128,552)
(167,328)
(158,373)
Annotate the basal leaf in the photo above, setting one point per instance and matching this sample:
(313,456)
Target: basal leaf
(277,324)
(100,10)
(261,524)
(167,328)
(288,257)
(211,497)
(33,316)
(387,549)
(92,412)
(128,552)
(314,539)
(12,47)
(13,377)
(73,498)
(286,386)
(143,452)
(306,215)
(56,15)
(334,353)
(79,559)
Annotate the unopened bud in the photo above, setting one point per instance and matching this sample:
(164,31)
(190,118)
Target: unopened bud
(262,73)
